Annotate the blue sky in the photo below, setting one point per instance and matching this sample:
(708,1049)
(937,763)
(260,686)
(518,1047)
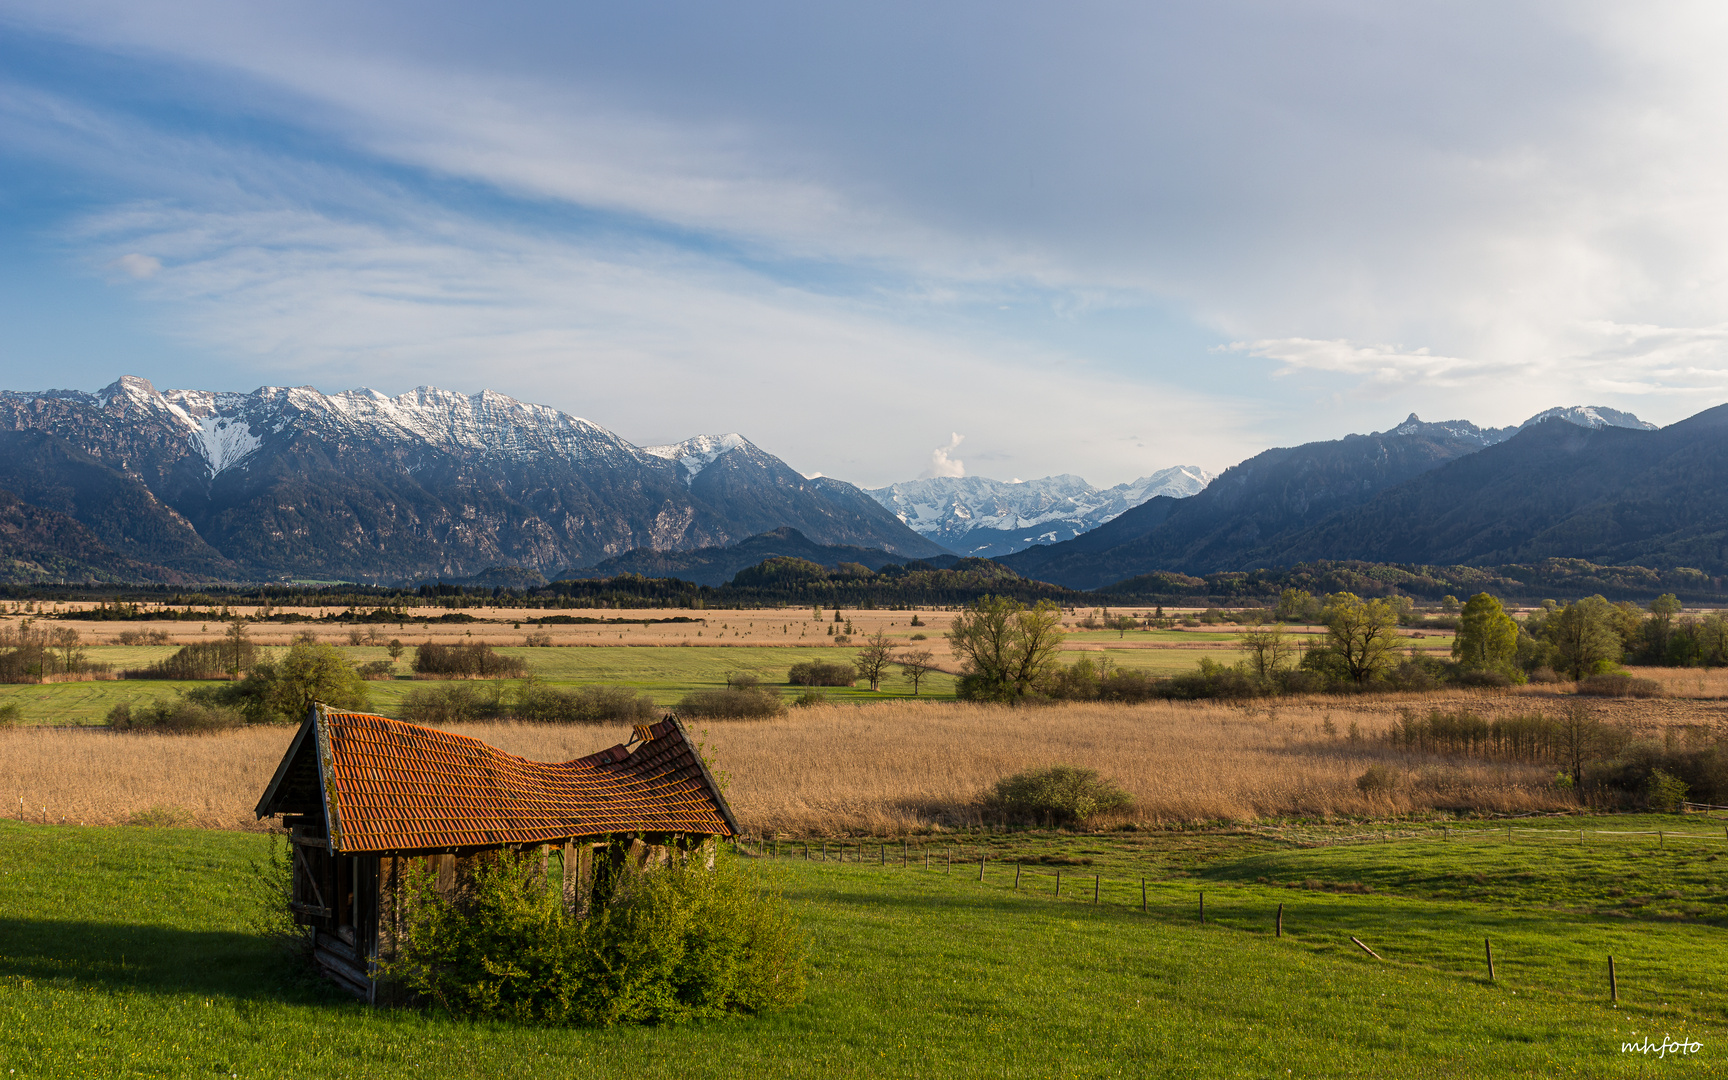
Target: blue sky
(1099,238)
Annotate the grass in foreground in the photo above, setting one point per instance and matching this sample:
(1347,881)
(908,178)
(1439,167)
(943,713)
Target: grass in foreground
(126,952)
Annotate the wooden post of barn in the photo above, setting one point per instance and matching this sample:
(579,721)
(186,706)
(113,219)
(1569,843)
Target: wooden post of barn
(578,877)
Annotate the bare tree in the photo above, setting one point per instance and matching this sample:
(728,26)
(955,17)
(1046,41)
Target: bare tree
(915,665)
(1267,650)
(874,657)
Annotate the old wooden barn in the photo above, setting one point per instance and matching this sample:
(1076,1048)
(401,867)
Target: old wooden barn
(364,796)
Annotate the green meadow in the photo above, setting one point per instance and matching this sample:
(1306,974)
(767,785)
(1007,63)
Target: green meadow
(129,952)
(666,673)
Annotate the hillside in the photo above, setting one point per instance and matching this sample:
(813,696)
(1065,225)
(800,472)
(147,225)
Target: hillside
(1570,484)
(1275,492)
(1609,495)
(718,565)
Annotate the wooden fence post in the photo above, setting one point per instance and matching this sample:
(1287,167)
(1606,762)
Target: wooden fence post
(1094,888)
(1016,876)
(1488,947)
(1280,920)
(1142,896)
(1202,908)
(1613,983)
(980,868)
(1058,881)
(884,854)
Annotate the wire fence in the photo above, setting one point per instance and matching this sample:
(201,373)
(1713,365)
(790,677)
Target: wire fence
(1136,893)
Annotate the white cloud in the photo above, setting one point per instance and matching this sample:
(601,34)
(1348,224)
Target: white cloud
(138,266)
(942,461)
(1384,364)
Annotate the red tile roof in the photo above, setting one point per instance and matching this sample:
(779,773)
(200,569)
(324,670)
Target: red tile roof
(390,786)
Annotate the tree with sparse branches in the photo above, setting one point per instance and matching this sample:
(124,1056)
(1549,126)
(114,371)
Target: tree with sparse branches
(915,665)
(874,658)
(1267,649)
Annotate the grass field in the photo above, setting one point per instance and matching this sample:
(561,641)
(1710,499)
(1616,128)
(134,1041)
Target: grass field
(127,952)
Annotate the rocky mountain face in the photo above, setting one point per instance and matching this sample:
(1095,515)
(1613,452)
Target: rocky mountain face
(292,483)
(1253,514)
(977,516)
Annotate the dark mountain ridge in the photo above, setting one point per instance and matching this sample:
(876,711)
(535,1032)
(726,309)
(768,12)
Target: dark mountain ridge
(718,565)
(1561,487)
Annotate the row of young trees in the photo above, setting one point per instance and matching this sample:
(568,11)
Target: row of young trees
(1009,651)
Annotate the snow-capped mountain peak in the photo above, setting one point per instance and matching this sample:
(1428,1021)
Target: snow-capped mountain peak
(976,515)
(698,452)
(1591,416)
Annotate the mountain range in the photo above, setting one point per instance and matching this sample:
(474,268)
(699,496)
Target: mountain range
(1587,483)
(984,518)
(289,483)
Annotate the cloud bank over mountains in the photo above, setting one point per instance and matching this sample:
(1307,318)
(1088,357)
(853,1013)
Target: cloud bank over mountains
(1095,239)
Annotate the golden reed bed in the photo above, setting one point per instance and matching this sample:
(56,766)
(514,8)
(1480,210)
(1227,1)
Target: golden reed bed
(893,767)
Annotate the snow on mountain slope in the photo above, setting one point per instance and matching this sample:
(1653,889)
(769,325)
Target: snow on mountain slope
(698,452)
(1591,416)
(977,515)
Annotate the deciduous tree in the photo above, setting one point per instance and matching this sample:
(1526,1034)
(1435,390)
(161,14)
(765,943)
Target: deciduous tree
(874,658)
(1360,633)
(1005,647)
(1487,637)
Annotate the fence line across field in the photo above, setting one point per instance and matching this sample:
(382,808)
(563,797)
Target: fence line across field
(770,848)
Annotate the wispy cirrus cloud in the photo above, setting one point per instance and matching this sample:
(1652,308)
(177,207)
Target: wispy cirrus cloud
(1384,365)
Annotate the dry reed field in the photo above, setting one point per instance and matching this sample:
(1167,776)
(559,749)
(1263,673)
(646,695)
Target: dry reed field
(890,768)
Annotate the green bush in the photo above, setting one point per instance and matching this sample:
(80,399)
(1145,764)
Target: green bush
(9,715)
(179,716)
(203,660)
(820,673)
(281,690)
(675,943)
(376,669)
(1059,795)
(809,698)
(584,705)
(1378,780)
(733,703)
(1665,792)
(454,703)
(1619,684)
(476,661)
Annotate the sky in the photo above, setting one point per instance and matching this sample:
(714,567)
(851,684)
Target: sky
(886,240)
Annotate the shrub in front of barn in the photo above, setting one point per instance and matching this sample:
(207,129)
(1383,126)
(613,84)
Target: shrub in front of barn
(732,703)
(675,943)
(1058,795)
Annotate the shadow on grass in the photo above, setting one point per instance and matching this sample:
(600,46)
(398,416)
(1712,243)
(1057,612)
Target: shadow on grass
(156,959)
